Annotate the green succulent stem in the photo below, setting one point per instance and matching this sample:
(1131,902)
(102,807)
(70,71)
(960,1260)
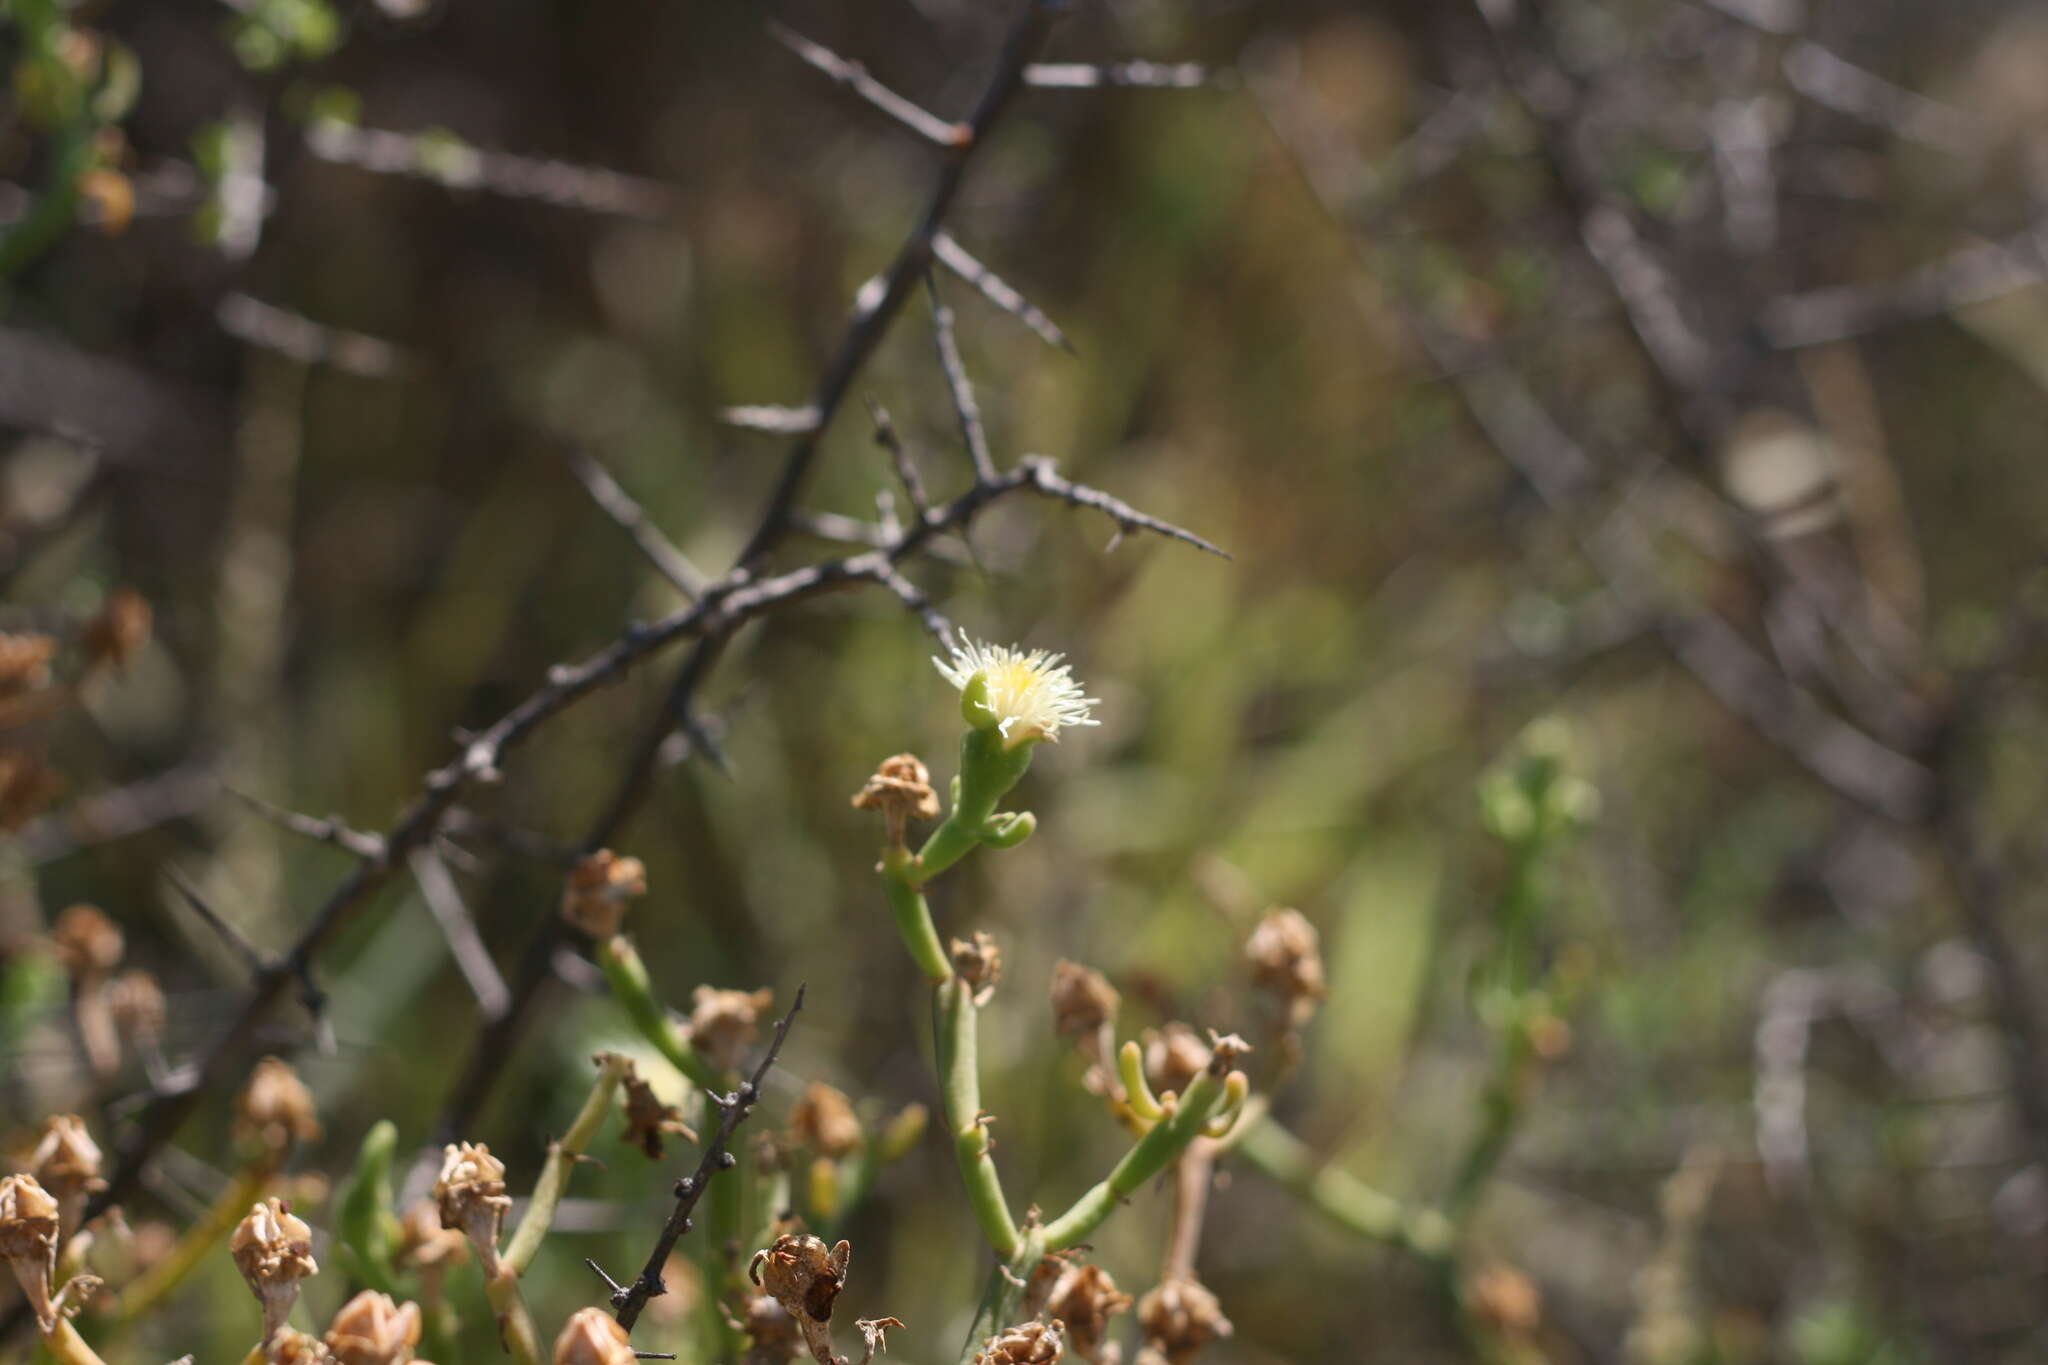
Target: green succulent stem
(960,1083)
(562,1157)
(1150,1155)
(634,990)
(913,916)
(365,1213)
(66,1347)
(1339,1196)
(989,768)
(515,1321)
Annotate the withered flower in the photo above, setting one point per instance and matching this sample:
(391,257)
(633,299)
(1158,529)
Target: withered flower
(28,1241)
(470,1195)
(1286,959)
(1082,999)
(1505,1299)
(275,1110)
(273,1248)
(599,889)
(980,965)
(772,1334)
(372,1330)
(823,1120)
(591,1337)
(67,1162)
(137,1004)
(24,662)
(27,784)
(901,790)
(805,1277)
(1180,1316)
(1085,1298)
(1028,1343)
(87,942)
(1174,1056)
(724,1024)
(648,1120)
(118,631)
(290,1346)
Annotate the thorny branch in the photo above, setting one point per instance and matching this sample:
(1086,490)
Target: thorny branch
(732,1110)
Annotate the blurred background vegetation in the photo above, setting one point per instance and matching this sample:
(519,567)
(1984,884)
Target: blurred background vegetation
(309,389)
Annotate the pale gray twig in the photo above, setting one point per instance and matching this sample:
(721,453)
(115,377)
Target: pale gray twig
(671,563)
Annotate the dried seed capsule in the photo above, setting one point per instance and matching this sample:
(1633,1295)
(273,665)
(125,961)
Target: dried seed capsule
(600,888)
(275,1109)
(290,1346)
(1286,959)
(1029,1343)
(1174,1056)
(28,1241)
(87,942)
(724,1024)
(980,965)
(67,1160)
(1085,1298)
(648,1119)
(137,1004)
(1180,1317)
(1082,999)
(370,1329)
(591,1337)
(273,1248)
(901,790)
(805,1277)
(24,662)
(118,631)
(823,1120)
(470,1194)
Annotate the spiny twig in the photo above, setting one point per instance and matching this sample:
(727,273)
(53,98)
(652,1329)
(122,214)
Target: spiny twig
(855,77)
(947,250)
(671,563)
(959,385)
(329,830)
(733,1109)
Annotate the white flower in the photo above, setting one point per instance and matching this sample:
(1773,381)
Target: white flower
(1029,696)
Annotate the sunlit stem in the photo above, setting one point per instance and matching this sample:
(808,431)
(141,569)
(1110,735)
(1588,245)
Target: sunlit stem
(913,916)
(627,975)
(1167,1139)
(1130,1064)
(562,1157)
(960,1083)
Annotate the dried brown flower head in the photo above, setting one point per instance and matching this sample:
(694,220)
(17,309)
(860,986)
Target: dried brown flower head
(591,1337)
(1286,959)
(290,1346)
(137,1004)
(1085,1298)
(27,784)
(1174,1055)
(901,790)
(424,1243)
(28,1241)
(648,1120)
(24,662)
(273,1248)
(118,631)
(772,1334)
(275,1109)
(805,1277)
(470,1195)
(87,942)
(600,888)
(824,1121)
(1082,999)
(1180,1316)
(67,1160)
(980,965)
(724,1024)
(372,1330)
(1505,1299)
(1029,1343)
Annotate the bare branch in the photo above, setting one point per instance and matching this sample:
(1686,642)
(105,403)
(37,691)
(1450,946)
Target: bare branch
(959,385)
(855,77)
(328,831)
(733,1110)
(311,343)
(906,468)
(1041,477)
(116,814)
(1846,88)
(1975,274)
(671,563)
(768,417)
(446,160)
(1142,75)
(915,598)
(957,259)
(444,901)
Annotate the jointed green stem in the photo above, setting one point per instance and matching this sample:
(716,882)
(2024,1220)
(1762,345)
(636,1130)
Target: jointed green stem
(562,1155)
(960,1079)
(1339,1196)
(630,984)
(913,917)
(1166,1140)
